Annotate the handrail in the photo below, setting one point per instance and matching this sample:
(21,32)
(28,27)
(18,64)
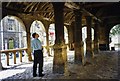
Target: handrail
(14,52)
(11,50)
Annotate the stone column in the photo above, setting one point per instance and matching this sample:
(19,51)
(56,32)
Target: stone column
(107,40)
(104,38)
(96,36)
(89,50)
(28,21)
(29,46)
(60,52)
(0,62)
(1,35)
(79,52)
(70,37)
(47,41)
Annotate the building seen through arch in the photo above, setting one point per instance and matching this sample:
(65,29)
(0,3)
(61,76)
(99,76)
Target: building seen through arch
(115,38)
(38,27)
(12,34)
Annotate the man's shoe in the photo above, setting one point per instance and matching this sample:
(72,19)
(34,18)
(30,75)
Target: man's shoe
(35,75)
(41,75)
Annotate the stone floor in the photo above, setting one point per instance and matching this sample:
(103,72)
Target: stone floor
(103,66)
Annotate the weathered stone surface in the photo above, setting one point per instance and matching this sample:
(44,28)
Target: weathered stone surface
(104,66)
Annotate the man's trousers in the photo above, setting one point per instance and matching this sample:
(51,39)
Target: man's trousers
(38,59)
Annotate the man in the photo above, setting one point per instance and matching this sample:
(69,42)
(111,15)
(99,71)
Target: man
(38,55)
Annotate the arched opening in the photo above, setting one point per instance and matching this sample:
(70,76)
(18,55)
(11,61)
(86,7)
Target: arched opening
(38,27)
(12,27)
(66,35)
(114,36)
(84,37)
(12,36)
(51,32)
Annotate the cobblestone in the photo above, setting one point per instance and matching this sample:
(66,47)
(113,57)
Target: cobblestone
(105,66)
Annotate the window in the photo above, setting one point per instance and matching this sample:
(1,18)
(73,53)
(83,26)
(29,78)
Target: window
(11,43)
(11,24)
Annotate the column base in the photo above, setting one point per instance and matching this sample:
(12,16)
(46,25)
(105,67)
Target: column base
(29,55)
(96,51)
(60,58)
(89,56)
(78,56)
(1,66)
(30,58)
(60,69)
(80,60)
(79,53)
(104,47)
(71,46)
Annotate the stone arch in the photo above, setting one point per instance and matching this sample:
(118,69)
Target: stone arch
(17,18)
(84,33)
(84,37)
(52,33)
(38,27)
(66,34)
(16,25)
(114,39)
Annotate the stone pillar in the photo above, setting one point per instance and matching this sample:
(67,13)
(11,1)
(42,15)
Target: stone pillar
(89,50)
(60,52)
(0,62)
(29,46)
(108,41)
(96,36)
(1,35)
(47,41)
(104,38)
(79,52)
(28,21)
(70,37)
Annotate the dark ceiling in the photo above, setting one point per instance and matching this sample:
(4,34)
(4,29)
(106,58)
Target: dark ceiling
(99,10)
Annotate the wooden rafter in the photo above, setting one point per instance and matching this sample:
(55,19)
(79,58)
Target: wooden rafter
(28,6)
(36,6)
(45,9)
(98,4)
(31,8)
(8,4)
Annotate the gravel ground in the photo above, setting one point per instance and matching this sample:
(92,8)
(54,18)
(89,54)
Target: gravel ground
(104,66)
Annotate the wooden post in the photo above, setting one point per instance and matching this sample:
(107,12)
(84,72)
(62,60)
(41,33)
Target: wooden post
(7,55)
(20,56)
(14,57)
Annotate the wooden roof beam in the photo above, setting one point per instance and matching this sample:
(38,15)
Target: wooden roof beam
(104,4)
(89,14)
(73,6)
